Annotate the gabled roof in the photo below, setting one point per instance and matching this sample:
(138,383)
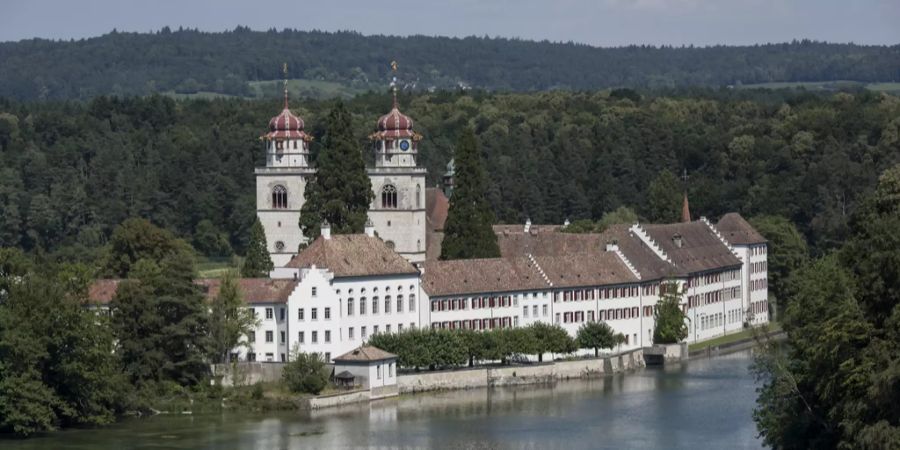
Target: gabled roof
(701,250)
(585,269)
(365,353)
(471,276)
(737,231)
(254,290)
(352,255)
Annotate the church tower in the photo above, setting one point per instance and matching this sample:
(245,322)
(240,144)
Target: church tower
(398,210)
(281,183)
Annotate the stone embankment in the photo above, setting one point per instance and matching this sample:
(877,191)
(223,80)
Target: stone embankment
(519,374)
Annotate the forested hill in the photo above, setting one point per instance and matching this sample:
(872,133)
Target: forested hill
(71,171)
(189,61)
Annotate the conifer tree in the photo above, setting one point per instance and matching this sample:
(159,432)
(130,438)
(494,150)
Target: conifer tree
(468,233)
(229,319)
(341,191)
(257,263)
(664,198)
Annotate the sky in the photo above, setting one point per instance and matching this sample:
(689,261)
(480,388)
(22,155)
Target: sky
(595,22)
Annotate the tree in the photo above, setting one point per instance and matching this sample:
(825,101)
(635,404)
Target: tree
(668,316)
(468,232)
(550,339)
(596,335)
(664,198)
(57,366)
(137,239)
(305,373)
(229,319)
(787,251)
(161,323)
(211,241)
(257,264)
(340,192)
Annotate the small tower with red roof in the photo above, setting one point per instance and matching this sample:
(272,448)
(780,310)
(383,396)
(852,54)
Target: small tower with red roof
(280,185)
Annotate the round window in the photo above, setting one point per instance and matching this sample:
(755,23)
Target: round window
(279,245)
(390,244)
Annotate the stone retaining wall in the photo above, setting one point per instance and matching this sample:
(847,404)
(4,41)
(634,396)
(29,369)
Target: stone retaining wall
(519,374)
(247,373)
(343,398)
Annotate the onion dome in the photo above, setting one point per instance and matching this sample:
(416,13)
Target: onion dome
(395,125)
(286,125)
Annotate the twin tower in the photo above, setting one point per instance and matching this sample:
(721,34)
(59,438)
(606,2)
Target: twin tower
(397,211)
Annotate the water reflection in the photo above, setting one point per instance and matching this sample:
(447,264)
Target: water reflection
(702,404)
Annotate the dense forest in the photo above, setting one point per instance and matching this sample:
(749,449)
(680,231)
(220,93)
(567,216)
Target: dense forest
(190,61)
(71,171)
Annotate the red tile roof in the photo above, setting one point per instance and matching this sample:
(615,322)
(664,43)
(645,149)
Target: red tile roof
(471,276)
(254,290)
(365,353)
(701,250)
(738,231)
(352,255)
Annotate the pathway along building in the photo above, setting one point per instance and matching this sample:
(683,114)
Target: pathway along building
(332,296)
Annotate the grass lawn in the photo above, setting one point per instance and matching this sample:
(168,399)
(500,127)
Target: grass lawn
(734,337)
(214,267)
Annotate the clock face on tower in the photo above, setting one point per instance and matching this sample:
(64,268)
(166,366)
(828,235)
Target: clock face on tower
(404,145)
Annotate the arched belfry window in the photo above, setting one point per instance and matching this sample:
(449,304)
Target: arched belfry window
(418,196)
(389,196)
(279,197)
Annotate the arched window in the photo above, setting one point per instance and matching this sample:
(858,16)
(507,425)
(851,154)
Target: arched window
(389,196)
(279,197)
(418,196)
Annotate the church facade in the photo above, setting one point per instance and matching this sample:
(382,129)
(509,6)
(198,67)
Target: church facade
(397,210)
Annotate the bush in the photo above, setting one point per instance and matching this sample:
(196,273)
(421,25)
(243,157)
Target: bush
(256,392)
(306,373)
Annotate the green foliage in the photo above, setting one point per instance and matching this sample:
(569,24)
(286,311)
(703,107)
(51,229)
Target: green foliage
(229,320)
(257,264)
(622,215)
(340,192)
(787,251)
(835,384)
(137,239)
(468,233)
(57,367)
(668,316)
(549,339)
(305,373)
(160,320)
(597,335)
(165,61)
(664,198)
(211,241)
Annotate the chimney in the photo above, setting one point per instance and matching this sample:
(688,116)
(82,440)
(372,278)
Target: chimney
(326,229)
(677,240)
(370,228)
(612,245)
(527,224)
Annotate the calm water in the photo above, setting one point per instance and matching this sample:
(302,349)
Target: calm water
(703,404)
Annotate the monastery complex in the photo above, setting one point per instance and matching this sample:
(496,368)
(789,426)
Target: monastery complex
(339,290)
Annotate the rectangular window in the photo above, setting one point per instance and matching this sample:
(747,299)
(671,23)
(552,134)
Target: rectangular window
(314,291)
(362,332)
(314,313)
(350,303)
(327,336)
(327,313)
(544,307)
(557,317)
(387,328)
(327,357)
(387,305)
(362,306)
(315,337)
(282,337)
(391,369)
(399,303)
(534,310)
(300,337)
(300,314)
(378,371)
(281,313)
(251,337)
(375,329)
(251,357)
(270,336)
(399,327)
(350,333)
(412,303)
(270,313)
(525,311)
(374,305)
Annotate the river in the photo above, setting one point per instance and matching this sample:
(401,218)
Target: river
(705,403)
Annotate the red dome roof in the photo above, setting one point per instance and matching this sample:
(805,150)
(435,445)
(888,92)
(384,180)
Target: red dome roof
(286,125)
(395,125)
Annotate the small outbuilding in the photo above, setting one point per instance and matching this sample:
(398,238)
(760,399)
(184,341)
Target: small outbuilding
(370,368)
